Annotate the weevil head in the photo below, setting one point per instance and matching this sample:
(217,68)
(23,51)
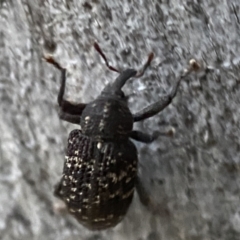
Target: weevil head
(115,89)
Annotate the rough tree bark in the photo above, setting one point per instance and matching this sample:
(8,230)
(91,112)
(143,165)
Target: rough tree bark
(195,174)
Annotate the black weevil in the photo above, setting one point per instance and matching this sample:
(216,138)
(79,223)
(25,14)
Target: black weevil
(100,169)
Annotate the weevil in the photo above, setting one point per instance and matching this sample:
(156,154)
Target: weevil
(100,169)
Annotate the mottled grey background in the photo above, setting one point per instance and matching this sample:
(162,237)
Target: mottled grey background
(196,174)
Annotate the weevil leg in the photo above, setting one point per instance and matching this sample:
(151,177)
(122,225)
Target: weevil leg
(147,201)
(148,138)
(66,106)
(143,137)
(69,117)
(164,101)
(156,107)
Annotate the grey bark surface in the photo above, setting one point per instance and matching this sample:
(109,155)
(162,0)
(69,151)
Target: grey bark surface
(195,173)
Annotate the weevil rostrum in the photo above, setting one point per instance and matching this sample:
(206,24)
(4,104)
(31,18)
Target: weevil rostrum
(100,169)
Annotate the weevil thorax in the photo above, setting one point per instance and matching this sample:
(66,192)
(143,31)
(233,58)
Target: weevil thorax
(108,117)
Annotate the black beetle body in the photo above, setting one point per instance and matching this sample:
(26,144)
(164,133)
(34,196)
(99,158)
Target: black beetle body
(101,165)
(100,169)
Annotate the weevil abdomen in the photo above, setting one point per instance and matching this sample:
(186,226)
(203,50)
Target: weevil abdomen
(98,180)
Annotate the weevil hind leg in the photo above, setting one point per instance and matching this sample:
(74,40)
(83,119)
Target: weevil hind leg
(148,201)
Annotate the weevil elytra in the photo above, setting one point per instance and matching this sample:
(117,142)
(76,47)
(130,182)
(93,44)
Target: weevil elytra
(100,169)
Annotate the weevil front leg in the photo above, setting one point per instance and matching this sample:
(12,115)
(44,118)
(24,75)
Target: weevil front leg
(164,101)
(67,109)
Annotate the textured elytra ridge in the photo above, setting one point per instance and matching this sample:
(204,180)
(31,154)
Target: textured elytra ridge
(98,180)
